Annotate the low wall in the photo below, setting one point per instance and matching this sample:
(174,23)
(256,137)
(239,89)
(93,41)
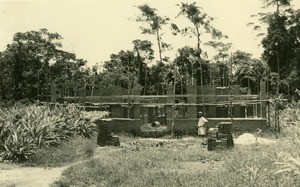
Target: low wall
(118,125)
(183,126)
(189,125)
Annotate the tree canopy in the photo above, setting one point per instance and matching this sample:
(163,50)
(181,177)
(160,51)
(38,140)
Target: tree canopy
(35,61)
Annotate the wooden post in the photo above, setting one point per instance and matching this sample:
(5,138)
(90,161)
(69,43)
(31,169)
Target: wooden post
(277,124)
(263,97)
(268,113)
(174,100)
(230,91)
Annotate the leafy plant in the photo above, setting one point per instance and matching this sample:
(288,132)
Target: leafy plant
(17,147)
(24,129)
(288,163)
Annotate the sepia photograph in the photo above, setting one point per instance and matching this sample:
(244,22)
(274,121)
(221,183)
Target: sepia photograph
(163,93)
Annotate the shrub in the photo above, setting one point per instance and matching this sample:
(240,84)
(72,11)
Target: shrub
(23,129)
(17,147)
(289,121)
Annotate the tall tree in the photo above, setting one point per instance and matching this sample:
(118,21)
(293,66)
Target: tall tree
(25,64)
(295,31)
(66,73)
(60,72)
(221,58)
(158,78)
(201,24)
(184,61)
(1,79)
(121,70)
(144,55)
(280,41)
(248,72)
(155,22)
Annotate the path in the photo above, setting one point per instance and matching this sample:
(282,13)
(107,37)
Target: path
(12,175)
(29,176)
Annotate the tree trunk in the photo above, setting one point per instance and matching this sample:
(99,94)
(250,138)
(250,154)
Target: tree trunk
(145,81)
(1,83)
(76,87)
(139,65)
(159,46)
(199,50)
(38,86)
(210,79)
(128,91)
(93,87)
(278,77)
(200,61)
(224,79)
(192,74)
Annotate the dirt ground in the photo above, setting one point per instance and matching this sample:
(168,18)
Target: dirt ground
(29,176)
(14,175)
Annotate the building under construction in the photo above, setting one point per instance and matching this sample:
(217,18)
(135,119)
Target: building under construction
(179,113)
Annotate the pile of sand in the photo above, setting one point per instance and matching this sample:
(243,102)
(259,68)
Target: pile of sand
(247,138)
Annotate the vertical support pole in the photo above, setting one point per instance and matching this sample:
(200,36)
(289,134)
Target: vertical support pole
(174,99)
(269,118)
(230,91)
(277,124)
(262,98)
(169,107)
(254,106)
(192,100)
(128,92)
(277,127)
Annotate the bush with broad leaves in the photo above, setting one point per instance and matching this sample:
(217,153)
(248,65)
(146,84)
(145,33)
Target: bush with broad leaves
(23,129)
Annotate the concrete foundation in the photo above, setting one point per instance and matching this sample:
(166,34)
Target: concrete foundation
(189,125)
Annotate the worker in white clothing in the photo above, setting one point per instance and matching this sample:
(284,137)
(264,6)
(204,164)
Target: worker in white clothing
(202,127)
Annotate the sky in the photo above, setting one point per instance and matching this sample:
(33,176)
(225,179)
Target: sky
(95,29)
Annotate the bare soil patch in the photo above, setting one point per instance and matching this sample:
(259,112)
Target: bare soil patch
(29,176)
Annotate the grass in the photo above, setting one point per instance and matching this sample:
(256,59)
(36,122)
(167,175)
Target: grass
(182,163)
(24,129)
(75,149)
(179,162)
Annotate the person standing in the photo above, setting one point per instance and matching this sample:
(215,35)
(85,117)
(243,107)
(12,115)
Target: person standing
(202,127)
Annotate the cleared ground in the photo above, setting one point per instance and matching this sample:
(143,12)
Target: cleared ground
(164,156)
